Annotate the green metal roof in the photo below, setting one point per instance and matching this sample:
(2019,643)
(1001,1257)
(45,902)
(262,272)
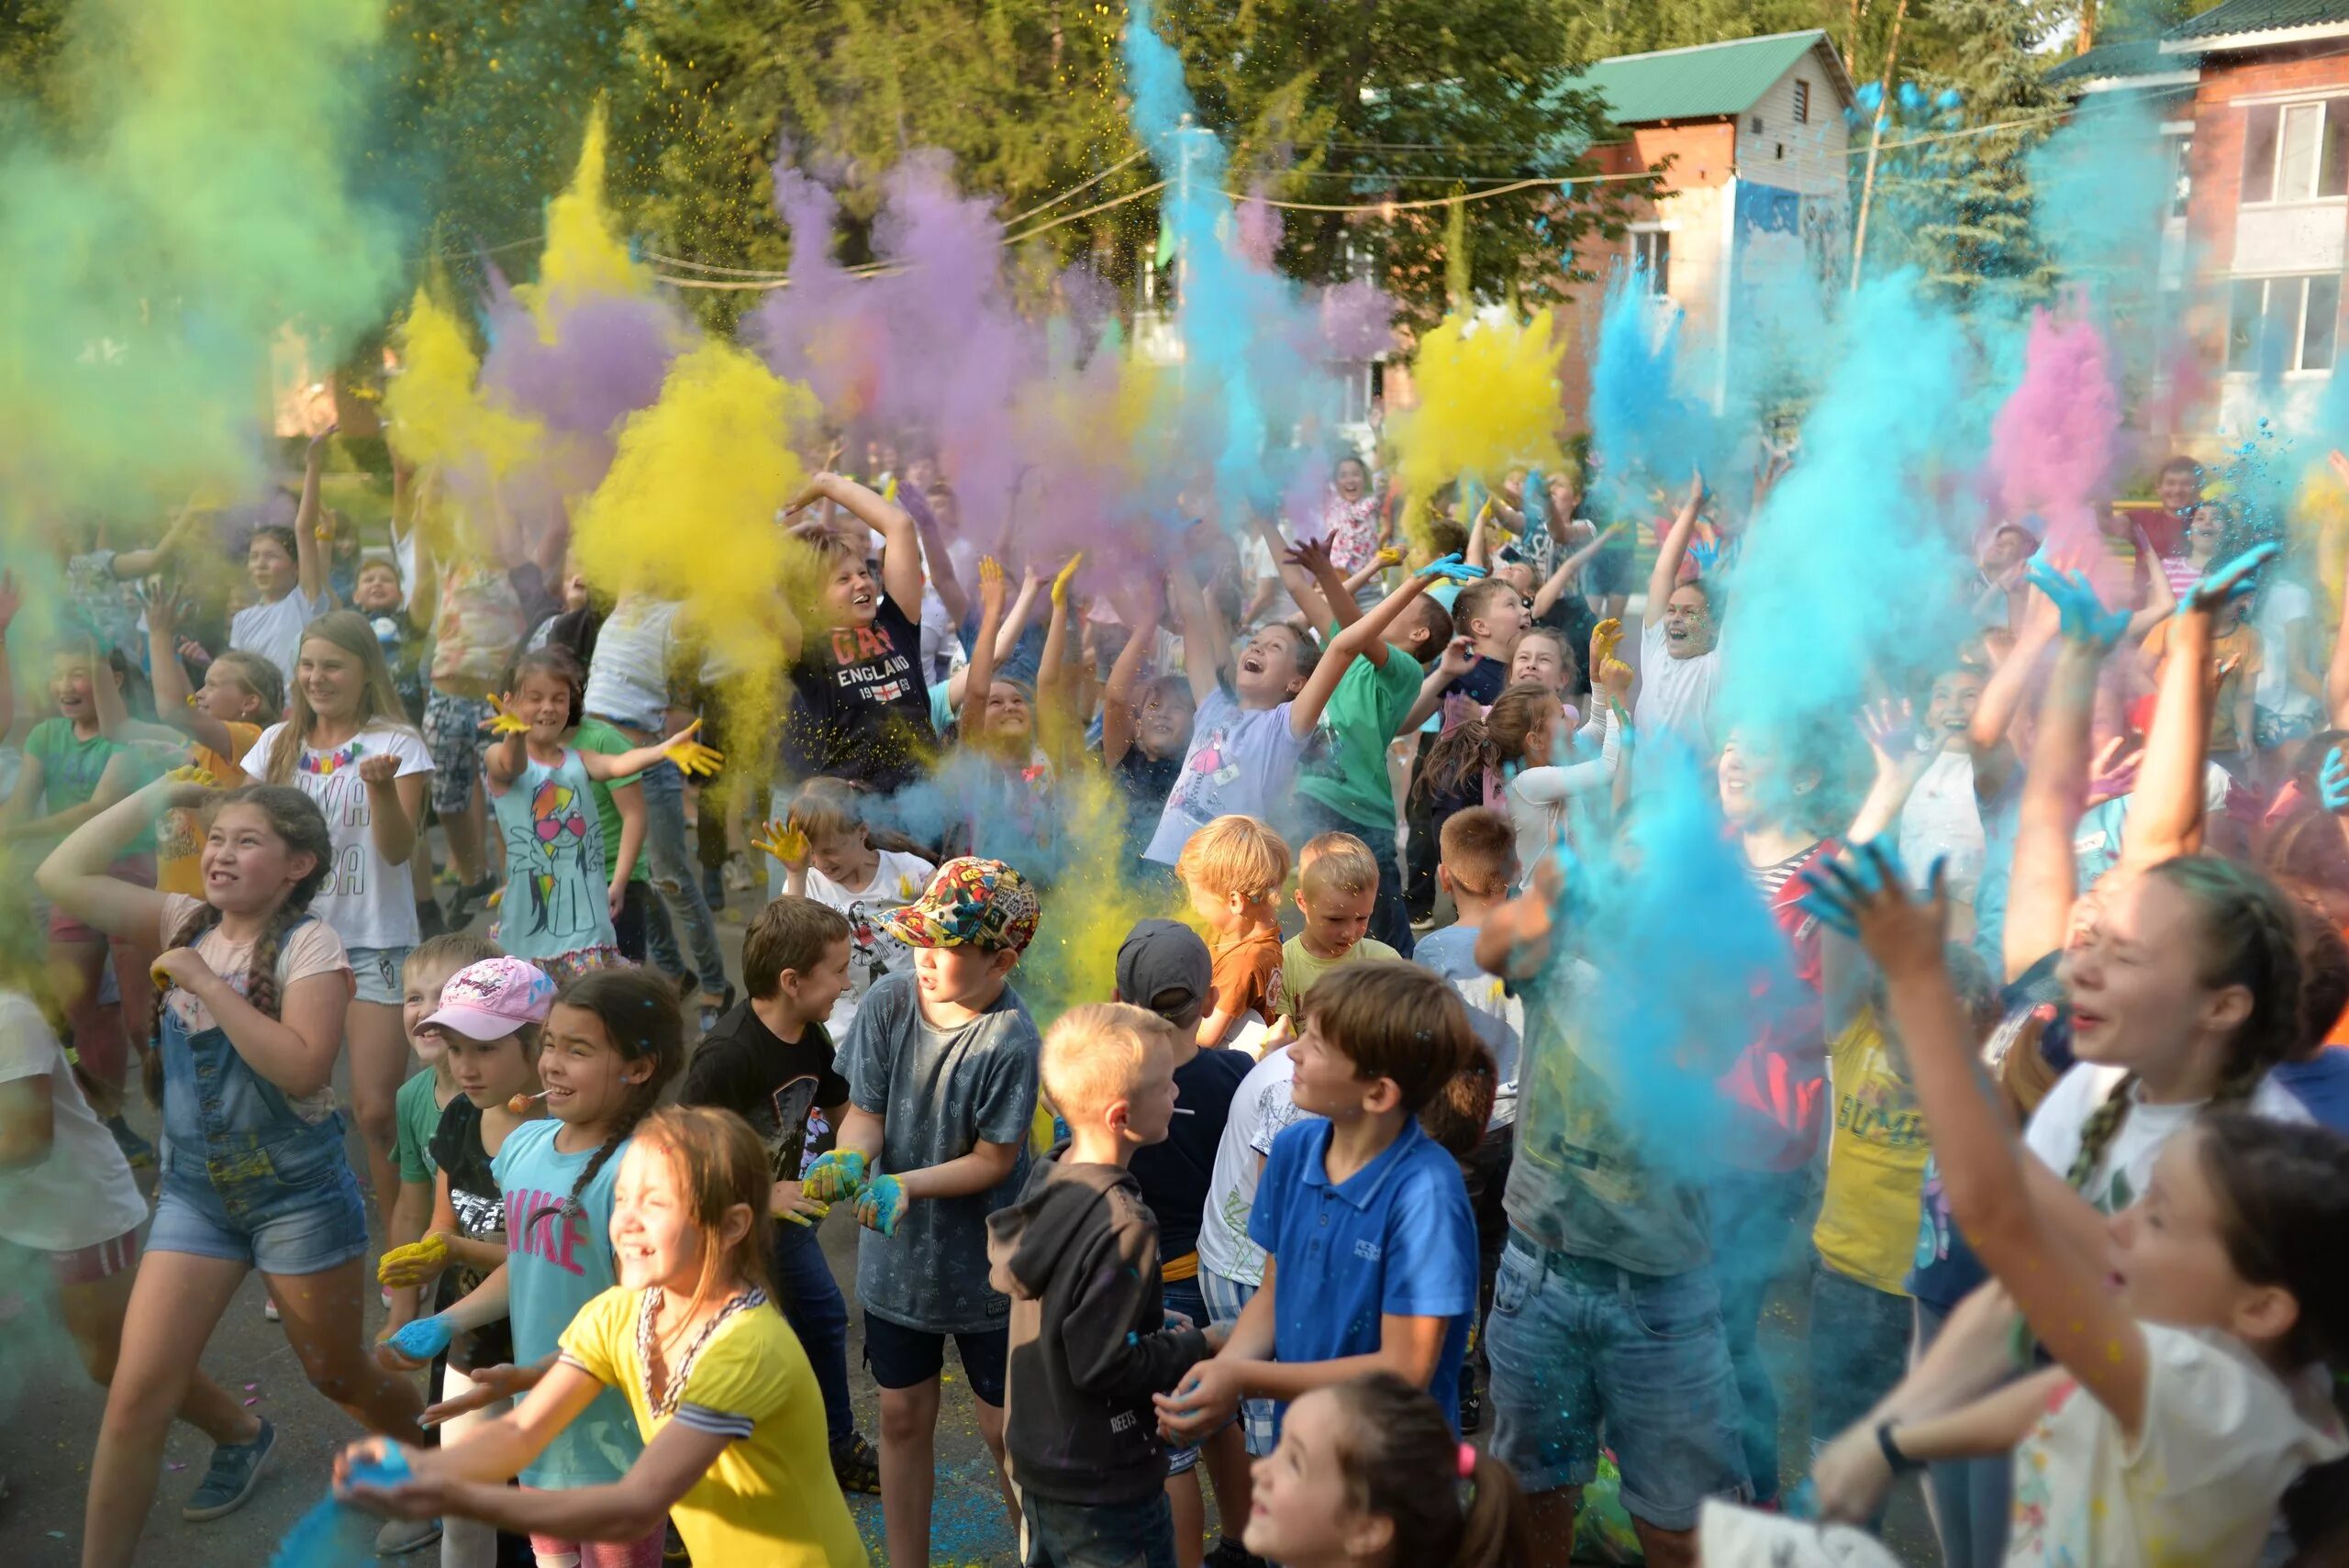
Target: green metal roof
(2117,62)
(1702,82)
(2235,17)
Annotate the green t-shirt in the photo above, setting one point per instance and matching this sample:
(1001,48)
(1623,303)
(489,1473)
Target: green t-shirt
(417,1110)
(595,735)
(71,768)
(1344,764)
(1301,969)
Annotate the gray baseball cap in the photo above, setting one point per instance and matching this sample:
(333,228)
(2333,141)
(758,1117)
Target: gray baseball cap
(1159,959)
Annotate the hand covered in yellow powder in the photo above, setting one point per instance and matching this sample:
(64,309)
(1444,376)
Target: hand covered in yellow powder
(1061,581)
(693,759)
(783,841)
(415,1264)
(503,719)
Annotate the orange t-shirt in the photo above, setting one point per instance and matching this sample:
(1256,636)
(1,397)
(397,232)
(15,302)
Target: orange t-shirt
(178,846)
(1248,974)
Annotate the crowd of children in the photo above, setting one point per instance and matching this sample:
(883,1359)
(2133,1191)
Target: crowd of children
(1349,1157)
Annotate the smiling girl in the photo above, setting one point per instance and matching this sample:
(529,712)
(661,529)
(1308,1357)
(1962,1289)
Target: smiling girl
(347,745)
(732,1422)
(287,570)
(253,1175)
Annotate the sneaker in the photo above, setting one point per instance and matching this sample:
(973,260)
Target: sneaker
(466,900)
(1471,1408)
(711,1013)
(737,872)
(855,1467)
(269,1309)
(428,922)
(672,1545)
(135,1148)
(236,1467)
(713,888)
(400,1537)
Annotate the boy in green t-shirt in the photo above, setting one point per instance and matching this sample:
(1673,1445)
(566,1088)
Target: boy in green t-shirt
(1337,887)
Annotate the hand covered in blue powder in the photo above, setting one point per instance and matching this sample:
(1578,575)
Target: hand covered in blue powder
(2229,580)
(1864,894)
(379,1476)
(881,1205)
(424,1338)
(2081,615)
(1451,566)
(835,1178)
(2332,784)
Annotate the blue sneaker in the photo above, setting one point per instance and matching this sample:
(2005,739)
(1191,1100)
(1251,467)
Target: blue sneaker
(236,1469)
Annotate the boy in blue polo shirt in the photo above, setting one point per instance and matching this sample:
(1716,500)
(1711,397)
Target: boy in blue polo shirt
(1371,1248)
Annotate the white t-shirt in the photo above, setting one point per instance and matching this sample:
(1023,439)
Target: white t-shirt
(1942,819)
(312,948)
(940,635)
(370,903)
(1261,1107)
(1675,695)
(897,881)
(628,679)
(81,1192)
(1537,797)
(2053,1132)
(274,631)
(2279,603)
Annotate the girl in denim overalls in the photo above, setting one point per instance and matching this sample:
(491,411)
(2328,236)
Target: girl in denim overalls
(254,1175)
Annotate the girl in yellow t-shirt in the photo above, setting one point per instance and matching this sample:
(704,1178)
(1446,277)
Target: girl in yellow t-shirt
(733,1423)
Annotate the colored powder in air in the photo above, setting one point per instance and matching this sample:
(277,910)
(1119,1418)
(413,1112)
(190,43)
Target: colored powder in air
(2052,444)
(584,256)
(438,418)
(1488,395)
(334,1536)
(1645,429)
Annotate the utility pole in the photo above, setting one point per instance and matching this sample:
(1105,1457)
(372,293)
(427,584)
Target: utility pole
(1875,141)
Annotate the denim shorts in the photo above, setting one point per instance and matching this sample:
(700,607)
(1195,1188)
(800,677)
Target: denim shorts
(1184,1296)
(1576,1344)
(1096,1535)
(376,972)
(309,1220)
(900,1357)
(1227,1299)
(452,735)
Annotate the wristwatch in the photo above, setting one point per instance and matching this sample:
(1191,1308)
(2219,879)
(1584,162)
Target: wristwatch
(1897,1462)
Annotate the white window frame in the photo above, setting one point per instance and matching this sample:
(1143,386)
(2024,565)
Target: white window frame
(1802,101)
(2284,109)
(2302,281)
(1646,239)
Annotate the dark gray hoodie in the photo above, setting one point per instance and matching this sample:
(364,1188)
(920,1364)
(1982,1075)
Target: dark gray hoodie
(1078,1256)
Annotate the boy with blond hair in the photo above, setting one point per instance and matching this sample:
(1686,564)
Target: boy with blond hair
(1233,868)
(1078,1256)
(1337,888)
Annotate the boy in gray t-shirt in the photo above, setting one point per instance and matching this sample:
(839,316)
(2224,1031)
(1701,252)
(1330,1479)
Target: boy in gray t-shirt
(942,1071)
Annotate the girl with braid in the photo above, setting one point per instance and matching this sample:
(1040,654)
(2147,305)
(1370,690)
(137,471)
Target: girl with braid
(254,987)
(612,1042)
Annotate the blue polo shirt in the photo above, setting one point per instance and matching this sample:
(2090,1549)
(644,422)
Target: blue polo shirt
(1396,1238)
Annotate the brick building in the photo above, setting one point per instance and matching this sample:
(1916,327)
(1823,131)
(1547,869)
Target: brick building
(2253,101)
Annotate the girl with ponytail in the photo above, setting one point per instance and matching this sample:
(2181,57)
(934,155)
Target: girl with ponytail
(613,1041)
(1369,1475)
(253,989)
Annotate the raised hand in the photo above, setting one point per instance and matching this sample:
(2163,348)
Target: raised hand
(995,589)
(2080,614)
(1451,566)
(189,785)
(503,719)
(693,759)
(1309,556)
(1388,556)
(835,1178)
(1605,637)
(783,841)
(1458,657)
(2333,783)
(1864,894)
(880,1203)
(1891,730)
(1061,580)
(2229,580)
(2114,772)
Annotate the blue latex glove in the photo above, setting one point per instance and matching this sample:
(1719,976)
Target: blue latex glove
(2332,784)
(1451,566)
(835,1178)
(1841,888)
(425,1338)
(2081,615)
(2229,580)
(881,1205)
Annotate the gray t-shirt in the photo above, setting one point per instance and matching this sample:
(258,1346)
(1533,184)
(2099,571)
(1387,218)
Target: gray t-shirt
(942,1093)
(1581,1184)
(1241,763)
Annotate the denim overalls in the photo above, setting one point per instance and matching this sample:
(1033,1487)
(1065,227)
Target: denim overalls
(244,1176)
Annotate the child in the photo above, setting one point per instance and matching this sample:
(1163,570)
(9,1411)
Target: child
(613,1041)
(488,1023)
(288,570)
(1233,868)
(1367,1214)
(717,1387)
(1146,725)
(1506,757)
(2237,658)
(346,746)
(1337,886)
(2191,1330)
(1078,1255)
(942,1074)
(420,1102)
(1231,1265)
(247,1036)
(376,594)
(242,694)
(1477,867)
(769,1061)
(1364,1478)
(560,892)
(834,860)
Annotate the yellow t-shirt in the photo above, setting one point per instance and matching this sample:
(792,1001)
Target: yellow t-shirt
(1876,1162)
(1301,969)
(178,846)
(770,1498)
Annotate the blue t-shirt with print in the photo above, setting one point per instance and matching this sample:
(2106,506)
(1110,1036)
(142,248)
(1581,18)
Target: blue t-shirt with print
(1395,1239)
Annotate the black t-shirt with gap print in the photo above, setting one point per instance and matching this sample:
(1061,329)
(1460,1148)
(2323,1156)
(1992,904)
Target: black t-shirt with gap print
(860,709)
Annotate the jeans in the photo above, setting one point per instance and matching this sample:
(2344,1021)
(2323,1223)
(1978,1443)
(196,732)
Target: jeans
(1096,1535)
(1753,1217)
(1388,920)
(813,1305)
(1859,1348)
(1969,1495)
(677,874)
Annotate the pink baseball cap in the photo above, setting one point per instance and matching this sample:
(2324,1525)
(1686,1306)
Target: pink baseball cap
(494,998)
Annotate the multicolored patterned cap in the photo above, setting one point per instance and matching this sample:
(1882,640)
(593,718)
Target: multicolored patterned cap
(970,903)
(494,998)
